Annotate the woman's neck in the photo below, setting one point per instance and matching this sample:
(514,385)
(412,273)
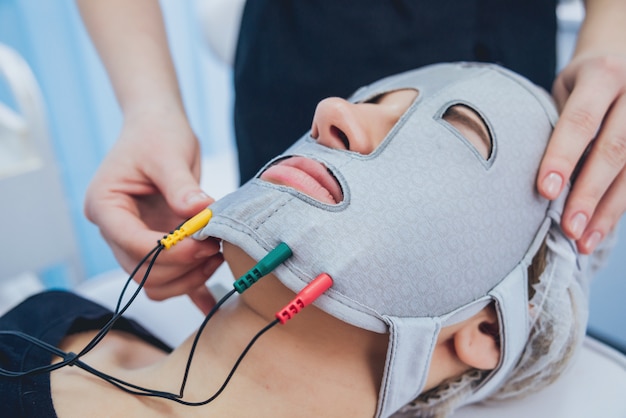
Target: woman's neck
(311,363)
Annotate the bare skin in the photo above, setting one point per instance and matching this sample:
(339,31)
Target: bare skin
(277,382)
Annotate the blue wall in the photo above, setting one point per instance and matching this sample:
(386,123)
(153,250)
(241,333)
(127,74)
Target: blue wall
(83,117)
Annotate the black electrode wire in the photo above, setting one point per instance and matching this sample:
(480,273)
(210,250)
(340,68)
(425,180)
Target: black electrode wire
(156,249)
(130,387)
(73,358)
(197,338)
(119,312)
(41,344)
(234,368)
(152,392)
(140,391)
(132,276)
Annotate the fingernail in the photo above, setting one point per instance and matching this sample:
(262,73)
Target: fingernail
(593,240)
(196,197)
(578,223)
(552,185)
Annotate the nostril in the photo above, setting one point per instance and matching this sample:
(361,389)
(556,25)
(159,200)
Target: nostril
(314,131)
(336,132)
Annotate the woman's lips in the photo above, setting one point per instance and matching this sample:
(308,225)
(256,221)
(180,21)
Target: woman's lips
(307,176)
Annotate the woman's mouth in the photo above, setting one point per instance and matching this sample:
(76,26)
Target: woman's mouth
(307,176)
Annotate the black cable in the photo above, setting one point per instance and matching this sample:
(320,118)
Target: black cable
(67,359)
(41,344)
(234,368)
(119,312)
(197,338)
(132,276)
(73,359)
(141,391)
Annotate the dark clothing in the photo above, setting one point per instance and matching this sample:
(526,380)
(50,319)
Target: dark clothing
(48,316)
(293,53)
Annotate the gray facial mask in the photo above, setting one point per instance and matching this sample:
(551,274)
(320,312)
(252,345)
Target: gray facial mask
(428,232)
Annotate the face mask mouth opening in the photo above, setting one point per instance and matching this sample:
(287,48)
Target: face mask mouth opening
(307,176)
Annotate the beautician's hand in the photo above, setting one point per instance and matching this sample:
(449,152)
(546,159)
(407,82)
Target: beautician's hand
(591,95)
(146,186)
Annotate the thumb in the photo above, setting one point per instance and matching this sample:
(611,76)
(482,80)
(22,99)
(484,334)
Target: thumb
(182,191)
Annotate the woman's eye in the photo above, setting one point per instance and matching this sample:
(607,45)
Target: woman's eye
(471,126)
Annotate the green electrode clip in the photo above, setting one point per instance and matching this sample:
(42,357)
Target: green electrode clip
(267,264)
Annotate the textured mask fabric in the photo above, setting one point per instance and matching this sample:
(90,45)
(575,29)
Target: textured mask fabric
(426,227)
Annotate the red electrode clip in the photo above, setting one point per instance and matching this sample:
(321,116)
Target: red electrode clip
(306,296)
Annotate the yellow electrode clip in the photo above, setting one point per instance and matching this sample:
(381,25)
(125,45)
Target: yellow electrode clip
(190,227)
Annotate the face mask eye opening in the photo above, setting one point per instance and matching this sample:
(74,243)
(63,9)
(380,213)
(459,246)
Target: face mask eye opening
(471,126)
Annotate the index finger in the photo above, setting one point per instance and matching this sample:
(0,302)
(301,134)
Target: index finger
(578,124)
(121,226)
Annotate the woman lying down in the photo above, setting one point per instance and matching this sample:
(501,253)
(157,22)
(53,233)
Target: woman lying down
(408,214)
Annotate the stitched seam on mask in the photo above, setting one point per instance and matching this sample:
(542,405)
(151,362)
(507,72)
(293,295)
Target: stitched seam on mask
(251,233)
(272,213)
(296,194)
(417,102)
(336,296)
(438,117)
(261,220)
(333,293)
(302,277)
(393,131)
(352,155)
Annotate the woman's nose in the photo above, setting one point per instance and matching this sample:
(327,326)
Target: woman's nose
(340,124)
